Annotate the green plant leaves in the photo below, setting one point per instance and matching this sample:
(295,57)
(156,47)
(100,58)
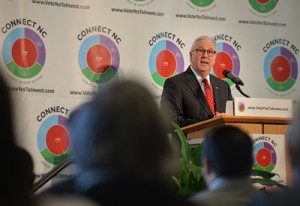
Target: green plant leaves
(264,178)
(263,174)
(190,176)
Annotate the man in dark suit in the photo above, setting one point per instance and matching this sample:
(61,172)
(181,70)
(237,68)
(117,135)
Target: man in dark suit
(183,97)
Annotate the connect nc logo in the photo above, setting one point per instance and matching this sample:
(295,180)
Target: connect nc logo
(227,57)
(280,65)
(201,5)
(264,156)
(140,2)
(24,53)
(165,59)
(53,136)
(263,7)
(98,54)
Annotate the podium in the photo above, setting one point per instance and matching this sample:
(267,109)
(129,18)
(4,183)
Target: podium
(250,124)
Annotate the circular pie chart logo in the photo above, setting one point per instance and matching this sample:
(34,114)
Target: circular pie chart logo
(280,69)
(166,60)
(202,3)
(263,6)
(24,53)
(264,156)
(99,58)
(241,106)
(54,140)
(226,59)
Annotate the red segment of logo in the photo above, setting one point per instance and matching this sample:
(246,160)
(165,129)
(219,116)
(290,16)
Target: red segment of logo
(263,1)
(165,63)
(242,107)
(223,61)
(280,69)
(57,140)
(24,53)
(263,157)
(99,58)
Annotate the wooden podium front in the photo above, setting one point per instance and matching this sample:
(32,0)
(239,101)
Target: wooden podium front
(250,124)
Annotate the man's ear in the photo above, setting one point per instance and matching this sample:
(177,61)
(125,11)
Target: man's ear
(208,172)
(206,165)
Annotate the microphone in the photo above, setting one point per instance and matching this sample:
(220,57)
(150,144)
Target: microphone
(233,78)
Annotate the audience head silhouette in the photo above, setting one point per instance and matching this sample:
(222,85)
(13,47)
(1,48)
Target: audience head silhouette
(27,176)
(121,131)
(227,165)
(13,193)
(122,148)
(293,137)
(7,113)
(229,151)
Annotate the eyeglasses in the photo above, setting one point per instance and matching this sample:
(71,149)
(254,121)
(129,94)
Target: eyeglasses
(210,53)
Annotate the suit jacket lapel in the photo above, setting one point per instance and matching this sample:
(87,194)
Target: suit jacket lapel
(196,89)
(216,91)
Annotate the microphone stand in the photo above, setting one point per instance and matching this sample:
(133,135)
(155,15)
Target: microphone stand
(240,90)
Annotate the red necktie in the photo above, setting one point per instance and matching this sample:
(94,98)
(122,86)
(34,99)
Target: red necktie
(209,96)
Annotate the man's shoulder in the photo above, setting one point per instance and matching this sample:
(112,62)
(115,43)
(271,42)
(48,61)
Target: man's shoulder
(217,80)
(221,197)
(204,197)
(180,76)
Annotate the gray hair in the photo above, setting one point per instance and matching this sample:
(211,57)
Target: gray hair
(202,38)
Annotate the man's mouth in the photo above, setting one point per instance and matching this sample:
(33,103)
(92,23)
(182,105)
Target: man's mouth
(204,62)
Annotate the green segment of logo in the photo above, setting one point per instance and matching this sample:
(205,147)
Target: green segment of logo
(202,3)
(263,8)
(54,159)
(282,86)
(99,78)
(159,79)
(22,72)
(268,169)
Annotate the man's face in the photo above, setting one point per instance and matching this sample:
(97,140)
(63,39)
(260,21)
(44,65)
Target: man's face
(201,61)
